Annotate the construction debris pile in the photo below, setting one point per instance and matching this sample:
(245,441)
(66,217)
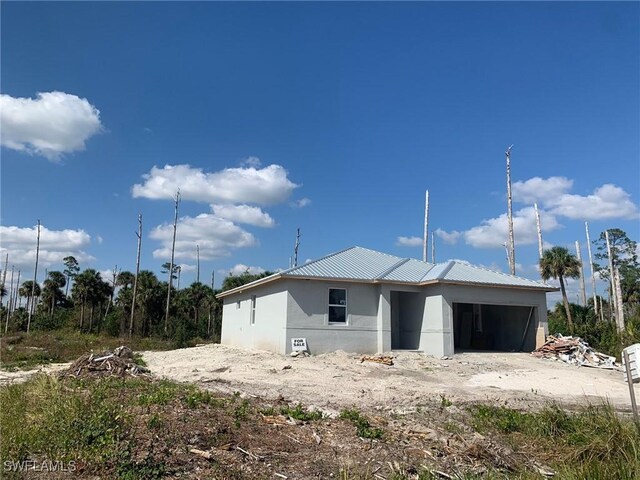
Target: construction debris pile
(575,351)
(119,362)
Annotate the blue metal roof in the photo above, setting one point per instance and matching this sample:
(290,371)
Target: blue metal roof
(357,263)
(362,264)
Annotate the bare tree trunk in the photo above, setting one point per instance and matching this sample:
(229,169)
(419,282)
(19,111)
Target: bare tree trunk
(18,297)
(113,290)
(593,277)
(35,278)
(583,290)
(512,246)
(198,267)
(620,312)
(425,233)
(91,317)
(173,250)
(135,281)
(612,296)
(4,276)
(10,304)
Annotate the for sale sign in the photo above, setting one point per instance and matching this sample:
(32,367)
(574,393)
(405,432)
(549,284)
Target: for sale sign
(299,344)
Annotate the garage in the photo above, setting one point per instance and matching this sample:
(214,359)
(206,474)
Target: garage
(506,328)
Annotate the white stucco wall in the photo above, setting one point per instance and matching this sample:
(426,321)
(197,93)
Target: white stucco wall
(308,309)
(437,335)
(268,331)
(287,309)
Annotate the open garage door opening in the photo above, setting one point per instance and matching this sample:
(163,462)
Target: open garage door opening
(503,328)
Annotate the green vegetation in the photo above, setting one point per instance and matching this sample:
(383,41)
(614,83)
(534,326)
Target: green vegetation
(593,443)
(301,413)
(77,311)
(131,428)
(596,325)
(64,345)
(363,427)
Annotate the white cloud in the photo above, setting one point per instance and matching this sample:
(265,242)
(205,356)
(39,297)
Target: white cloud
(301,203)
(542,190)
(268,185)
(493,233)
(216,237)
(20,243)
(450,238)
(240,268)
(52,124)
(244,214)
(607,201)
(409,242)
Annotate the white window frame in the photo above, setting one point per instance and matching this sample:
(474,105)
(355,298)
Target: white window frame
(345,306)
(252,315)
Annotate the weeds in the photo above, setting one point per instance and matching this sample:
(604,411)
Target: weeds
(364,428)
(592,443)
(300,413)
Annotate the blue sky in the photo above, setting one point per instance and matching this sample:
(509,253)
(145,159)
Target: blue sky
(331,117)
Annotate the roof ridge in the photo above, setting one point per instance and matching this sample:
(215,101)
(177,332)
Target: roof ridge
(447,269)
(319,259)
(398,264)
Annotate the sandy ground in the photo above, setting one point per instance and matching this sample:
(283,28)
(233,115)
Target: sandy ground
(16,376)
(335,380)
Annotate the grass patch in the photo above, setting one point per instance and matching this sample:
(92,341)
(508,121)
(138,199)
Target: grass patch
(363,427)
(22,351)
(592,443)
(301,413)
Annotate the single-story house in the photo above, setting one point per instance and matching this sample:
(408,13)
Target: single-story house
(364,301)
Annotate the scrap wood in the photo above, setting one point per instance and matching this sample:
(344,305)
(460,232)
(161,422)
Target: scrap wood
(202,453)
(575,351)
(383,359)
(118,362)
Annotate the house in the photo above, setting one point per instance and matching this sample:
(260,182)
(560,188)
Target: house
(364,301)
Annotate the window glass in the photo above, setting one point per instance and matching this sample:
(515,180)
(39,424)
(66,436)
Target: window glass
(337,296)
(337,314)
(337,305)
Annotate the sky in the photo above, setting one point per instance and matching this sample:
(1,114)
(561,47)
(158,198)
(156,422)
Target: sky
(333,118)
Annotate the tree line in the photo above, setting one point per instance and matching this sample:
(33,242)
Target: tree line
(83,300)
(595,319)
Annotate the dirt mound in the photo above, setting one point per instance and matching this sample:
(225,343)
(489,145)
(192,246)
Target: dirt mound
(119,362)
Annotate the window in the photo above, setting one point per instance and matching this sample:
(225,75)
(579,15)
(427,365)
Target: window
(253,309)
(238,305)
(337,305)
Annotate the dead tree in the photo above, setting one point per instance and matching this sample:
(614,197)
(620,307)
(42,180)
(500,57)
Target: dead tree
(173,250)
(583,290)
(425,235)
(512,246)
(135,280)
(593,276)
(295,248)
(35,279)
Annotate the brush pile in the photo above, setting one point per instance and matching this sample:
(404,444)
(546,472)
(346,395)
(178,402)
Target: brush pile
(575,351)
(119,362)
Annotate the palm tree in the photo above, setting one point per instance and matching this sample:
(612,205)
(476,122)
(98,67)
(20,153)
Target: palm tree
(51,292)
(25,291)
(558,263)
(71,271)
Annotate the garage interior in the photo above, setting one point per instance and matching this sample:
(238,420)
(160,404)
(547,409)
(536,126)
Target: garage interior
(504,328)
